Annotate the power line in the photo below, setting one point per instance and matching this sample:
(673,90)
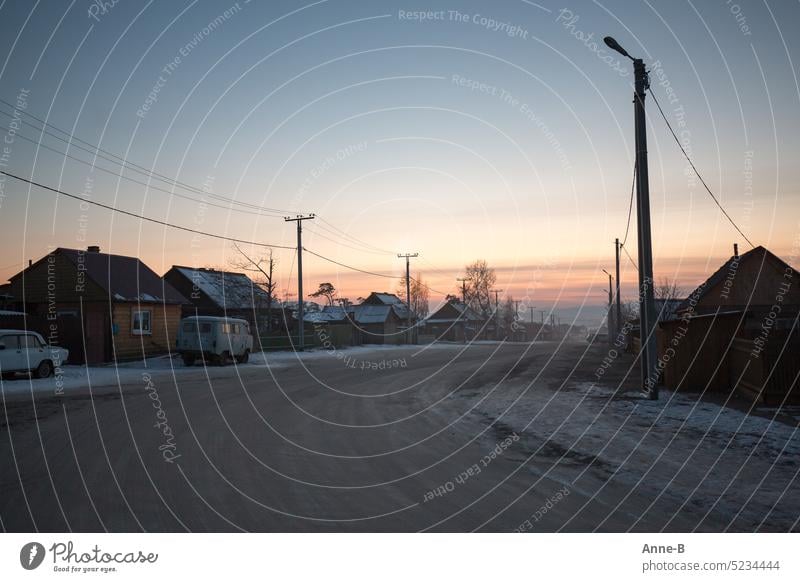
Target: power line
(141,217)
(97,151)
(335,262)
(630,258)
(364,271)
(354,239)
(150,186)
(630,205)
(688,159)
(119,160)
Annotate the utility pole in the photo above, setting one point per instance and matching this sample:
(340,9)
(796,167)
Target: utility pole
(541,313)
(496,313)
(532,307)
(647,312)
(618,320)
(300,307)
(463,290)
(611,326)
(407,257)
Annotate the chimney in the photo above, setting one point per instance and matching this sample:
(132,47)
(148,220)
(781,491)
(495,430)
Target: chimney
(30,262)
(735,251)
(93,249)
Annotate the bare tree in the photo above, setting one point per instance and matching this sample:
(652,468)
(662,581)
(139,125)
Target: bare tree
(264,268)
(419,296)
(480,280)
(667,289)
(326,290)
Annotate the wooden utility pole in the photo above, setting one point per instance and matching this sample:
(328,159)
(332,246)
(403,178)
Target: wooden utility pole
(463,290)
(647,311)
(496,313)
(611,324)
(300,299)
(407,257)
(618,321)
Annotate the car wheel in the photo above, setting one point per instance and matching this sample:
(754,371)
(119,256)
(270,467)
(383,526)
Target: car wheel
(44,369)
(224,358)
(244,357)
(188,360)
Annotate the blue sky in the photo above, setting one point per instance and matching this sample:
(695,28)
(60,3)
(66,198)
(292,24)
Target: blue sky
(499,132)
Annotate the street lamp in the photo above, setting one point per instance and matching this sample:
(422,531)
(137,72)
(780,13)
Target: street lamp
(647,311)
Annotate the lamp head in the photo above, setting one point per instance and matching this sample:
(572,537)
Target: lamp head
(613,44)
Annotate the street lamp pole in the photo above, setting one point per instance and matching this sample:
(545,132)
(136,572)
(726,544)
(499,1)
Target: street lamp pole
(647,312)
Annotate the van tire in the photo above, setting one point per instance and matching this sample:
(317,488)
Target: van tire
(44,369)
(244,357)
(224,358)
(188,360)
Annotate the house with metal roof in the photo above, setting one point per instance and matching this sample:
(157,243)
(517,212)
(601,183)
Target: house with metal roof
(102,307)
(371,323)
(455,321)
(225,294)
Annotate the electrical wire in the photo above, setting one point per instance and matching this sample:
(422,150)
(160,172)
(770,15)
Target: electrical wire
(630,258)
(119,160)
(141,217)
(113,158)
(688,159)
(630,205)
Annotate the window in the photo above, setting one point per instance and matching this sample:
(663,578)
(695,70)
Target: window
(140,323)
(29,341)
(205,328)
(226,328)
(190,327)
(9,341)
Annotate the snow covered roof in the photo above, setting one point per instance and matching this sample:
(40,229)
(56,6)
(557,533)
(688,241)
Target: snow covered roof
(227,290)
(372,313)
(382,298)
(453,311)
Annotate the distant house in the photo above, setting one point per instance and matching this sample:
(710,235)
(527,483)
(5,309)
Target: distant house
(383,298)
(332,326)
(737,331)
(454,321)
(222,293)
(101,307)
(370,323)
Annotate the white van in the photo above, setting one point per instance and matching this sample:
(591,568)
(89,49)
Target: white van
(26,351)
(214,339)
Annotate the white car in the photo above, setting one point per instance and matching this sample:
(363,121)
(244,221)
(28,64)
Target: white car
(26,351)
(214,339)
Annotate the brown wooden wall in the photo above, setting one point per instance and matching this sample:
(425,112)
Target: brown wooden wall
(165,321)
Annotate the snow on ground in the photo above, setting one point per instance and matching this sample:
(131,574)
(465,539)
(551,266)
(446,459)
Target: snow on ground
(80,378)
(679,450)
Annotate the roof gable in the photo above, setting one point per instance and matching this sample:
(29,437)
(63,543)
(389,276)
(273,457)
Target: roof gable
(120,278)
(730,270)
(225,289)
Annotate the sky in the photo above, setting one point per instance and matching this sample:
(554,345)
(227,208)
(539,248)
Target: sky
(457,130)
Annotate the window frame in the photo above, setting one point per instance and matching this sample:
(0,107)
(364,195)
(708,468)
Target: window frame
(141,331)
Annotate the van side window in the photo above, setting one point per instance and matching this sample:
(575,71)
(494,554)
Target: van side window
(205,328)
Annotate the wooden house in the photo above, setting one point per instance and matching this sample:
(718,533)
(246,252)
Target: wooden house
(101,307)
(737,331)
